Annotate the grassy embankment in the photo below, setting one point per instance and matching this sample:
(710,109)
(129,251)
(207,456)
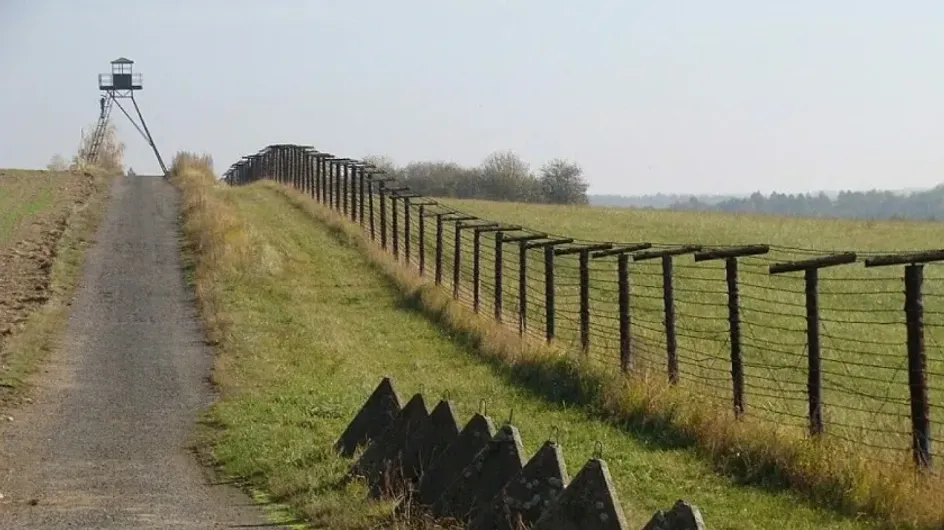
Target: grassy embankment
(47,220)
(308,317)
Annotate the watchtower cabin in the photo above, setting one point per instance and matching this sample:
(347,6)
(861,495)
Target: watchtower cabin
(122,81)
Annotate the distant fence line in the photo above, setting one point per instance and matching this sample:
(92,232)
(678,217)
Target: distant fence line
(881,400)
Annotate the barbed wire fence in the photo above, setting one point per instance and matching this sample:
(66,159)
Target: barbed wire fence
(805,339)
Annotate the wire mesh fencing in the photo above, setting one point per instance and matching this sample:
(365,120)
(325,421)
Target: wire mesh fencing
(833,344)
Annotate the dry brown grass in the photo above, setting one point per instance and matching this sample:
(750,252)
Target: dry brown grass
(214,231)
(109,157)
(753,452)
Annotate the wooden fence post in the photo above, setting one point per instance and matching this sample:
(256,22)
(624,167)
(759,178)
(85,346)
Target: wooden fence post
(408,224)
(422,236)
(289,166)
(316,163)
(457,261)
(522,288)
(371,179)
(326,181)
(814,381)
(300,169)
(440,218)
(476,255)
(337,182)
(309,173)
(332,191)
(362,179)
(276,174)
(301,163)
(406,229)
(917,358)
(622,273)
(583,254)
(499,273)
(730,257)
(343,179)
(322,178)
(668,300)
(383,214)
(457,270)
(523,247)
(476,263)
(293,166)
(329,175)
(550,323)
(549,292)
(286,165)
(352,178)
(439,249)
(393,194)
(395,227)
(296,167)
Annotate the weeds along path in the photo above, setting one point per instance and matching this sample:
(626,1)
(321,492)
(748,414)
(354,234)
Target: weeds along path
(104,445)
(309,326)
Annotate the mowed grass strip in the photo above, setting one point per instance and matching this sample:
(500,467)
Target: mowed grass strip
(307,326)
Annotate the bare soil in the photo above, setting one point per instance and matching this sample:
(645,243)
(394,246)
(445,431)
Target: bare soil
(28,248)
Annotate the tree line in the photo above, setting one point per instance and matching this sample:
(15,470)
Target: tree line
(502,176)
(874,204)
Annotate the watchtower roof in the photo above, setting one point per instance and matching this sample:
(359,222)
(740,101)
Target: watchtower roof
(122,60)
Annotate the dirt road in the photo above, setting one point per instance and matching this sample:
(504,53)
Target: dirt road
(104,443)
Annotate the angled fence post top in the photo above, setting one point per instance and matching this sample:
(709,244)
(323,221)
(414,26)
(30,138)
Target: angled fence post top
(643,255)
(731,252)
(842,258)
(523,238)
(617,251)
(582,248)
(549,242)
(905,258)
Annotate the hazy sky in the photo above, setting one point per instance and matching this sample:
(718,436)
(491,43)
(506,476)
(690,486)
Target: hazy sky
(671,96)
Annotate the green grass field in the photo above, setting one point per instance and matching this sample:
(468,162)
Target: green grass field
(865,386)
(308,326)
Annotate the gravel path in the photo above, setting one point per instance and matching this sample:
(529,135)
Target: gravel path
(104,445)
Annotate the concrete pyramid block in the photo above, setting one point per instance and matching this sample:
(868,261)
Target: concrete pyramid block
(525,497)
(588,503)
(498,462)
(430,441)
(375,416)
(380,464)
(472,439)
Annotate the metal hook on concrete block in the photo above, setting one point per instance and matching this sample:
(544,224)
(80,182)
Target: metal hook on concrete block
(483,407)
